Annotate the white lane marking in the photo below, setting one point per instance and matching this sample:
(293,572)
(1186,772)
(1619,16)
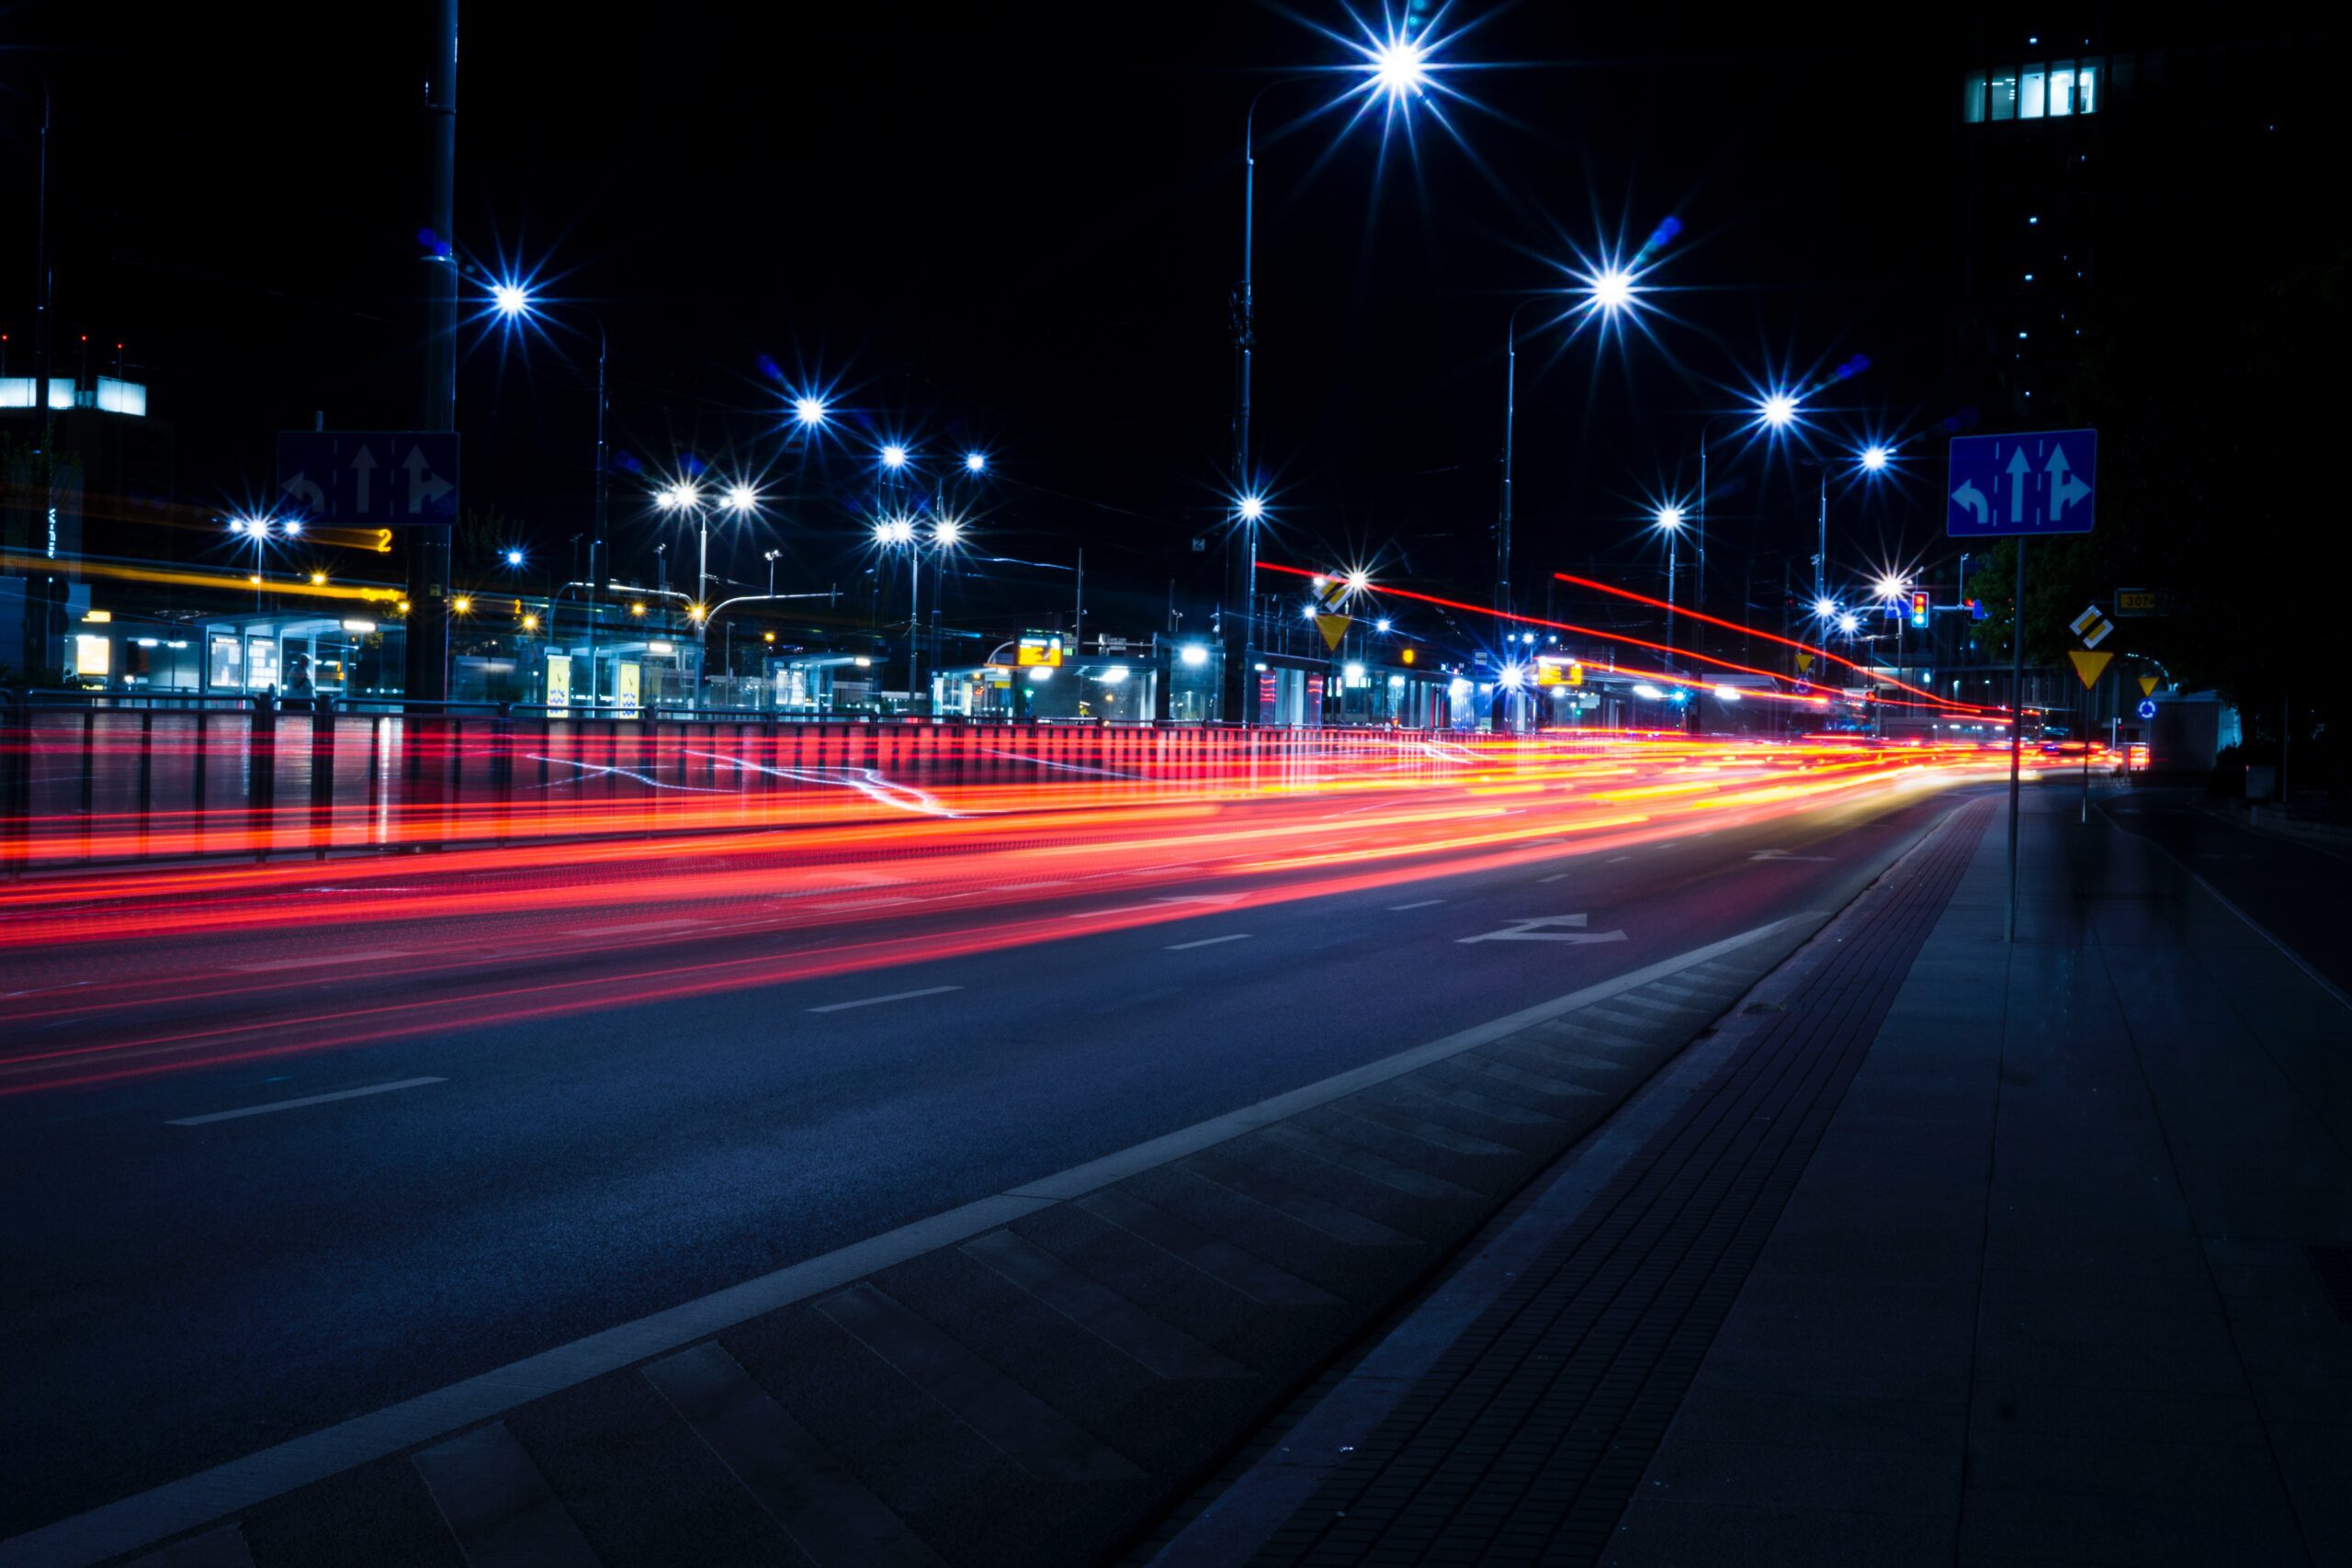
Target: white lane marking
(1554,878)
(1619,860)
(362,956)
(878,1001)
(1783,854)
(296,1104)
(1207,942)
(1537,929)
(115,1528)
(635,926)
(1421,904)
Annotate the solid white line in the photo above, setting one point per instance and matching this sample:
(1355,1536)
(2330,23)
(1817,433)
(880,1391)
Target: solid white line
(118,1528)
(298,1104)
(1554,878)
(1619,860)
(1423,904)
(1207,942)
(878,1001)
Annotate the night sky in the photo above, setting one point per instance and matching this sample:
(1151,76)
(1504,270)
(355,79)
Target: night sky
(1015,227)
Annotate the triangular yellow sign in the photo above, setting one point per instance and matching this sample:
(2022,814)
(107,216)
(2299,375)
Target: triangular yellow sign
(2148,685)
(2088,665)
(1333,628)
(1805,662)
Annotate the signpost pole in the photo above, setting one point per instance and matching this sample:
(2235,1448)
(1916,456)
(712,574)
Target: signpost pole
(2087,752)
(2017,734)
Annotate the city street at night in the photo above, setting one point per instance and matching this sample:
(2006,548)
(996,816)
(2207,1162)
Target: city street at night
(1405,782)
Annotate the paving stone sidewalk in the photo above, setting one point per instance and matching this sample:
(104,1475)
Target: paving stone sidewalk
(1965,1252)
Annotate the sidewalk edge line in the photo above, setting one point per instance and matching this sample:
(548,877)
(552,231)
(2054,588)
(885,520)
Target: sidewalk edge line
(175,1507)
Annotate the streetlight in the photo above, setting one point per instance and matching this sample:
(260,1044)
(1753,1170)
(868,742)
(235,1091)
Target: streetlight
(1606,292)
(1775,411)
(809,413)
(894,456)
(1874,458)
(976,462)
(1669,523)
(899,533)
(1396,65)
(687,497)
(513,298)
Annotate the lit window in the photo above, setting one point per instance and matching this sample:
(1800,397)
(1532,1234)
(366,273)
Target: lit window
(2085,79)
(1971,108)
(2032,90)
(2061,88)
(2005,96)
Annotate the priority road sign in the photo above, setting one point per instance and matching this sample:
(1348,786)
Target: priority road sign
(2091,626)
(361,477)
(2028,484)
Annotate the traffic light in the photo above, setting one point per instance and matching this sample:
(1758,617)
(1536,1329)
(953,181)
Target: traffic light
(1919,607)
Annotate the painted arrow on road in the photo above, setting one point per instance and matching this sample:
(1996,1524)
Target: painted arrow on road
(1538,930)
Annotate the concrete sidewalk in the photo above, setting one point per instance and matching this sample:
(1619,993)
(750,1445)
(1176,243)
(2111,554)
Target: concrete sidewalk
(1940,1251)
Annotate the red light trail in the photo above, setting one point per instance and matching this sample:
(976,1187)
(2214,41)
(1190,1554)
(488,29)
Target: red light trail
(122,974)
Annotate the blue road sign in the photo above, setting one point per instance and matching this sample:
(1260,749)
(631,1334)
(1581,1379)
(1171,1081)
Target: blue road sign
(2147,707)
(2035,483)
(384,478)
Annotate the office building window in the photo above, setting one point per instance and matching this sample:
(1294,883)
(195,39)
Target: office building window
(2042,90)
(2031,88)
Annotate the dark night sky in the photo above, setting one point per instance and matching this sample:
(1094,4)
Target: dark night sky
(1014,225)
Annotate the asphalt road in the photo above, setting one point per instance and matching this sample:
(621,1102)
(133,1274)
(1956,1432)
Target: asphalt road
(181,1290)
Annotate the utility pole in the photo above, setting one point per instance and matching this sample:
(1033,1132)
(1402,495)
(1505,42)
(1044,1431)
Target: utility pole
(428,545)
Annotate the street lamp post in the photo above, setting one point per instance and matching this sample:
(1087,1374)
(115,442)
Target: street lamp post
(1669,523)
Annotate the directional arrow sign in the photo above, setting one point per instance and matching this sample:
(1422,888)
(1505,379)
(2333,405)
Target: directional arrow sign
(1541,928)
(2089,666)
(2039,483)
(362,477)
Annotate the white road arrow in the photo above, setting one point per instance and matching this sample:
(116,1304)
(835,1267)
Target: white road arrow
(1968,495)
(2064,488)
(364,466)
(313,500)
(2018,469)
(1535,930)
(424,484)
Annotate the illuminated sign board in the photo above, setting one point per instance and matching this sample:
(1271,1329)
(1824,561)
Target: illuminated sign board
(1551,671)
(1039,653)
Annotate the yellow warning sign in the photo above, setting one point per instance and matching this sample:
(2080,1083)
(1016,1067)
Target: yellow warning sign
(2148,685)
(1805,663)
(1333,628)
(2088,665)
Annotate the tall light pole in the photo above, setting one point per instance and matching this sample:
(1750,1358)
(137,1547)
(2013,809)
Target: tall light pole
(513,301)
(1397,67)
(1669,523)
(687,497)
